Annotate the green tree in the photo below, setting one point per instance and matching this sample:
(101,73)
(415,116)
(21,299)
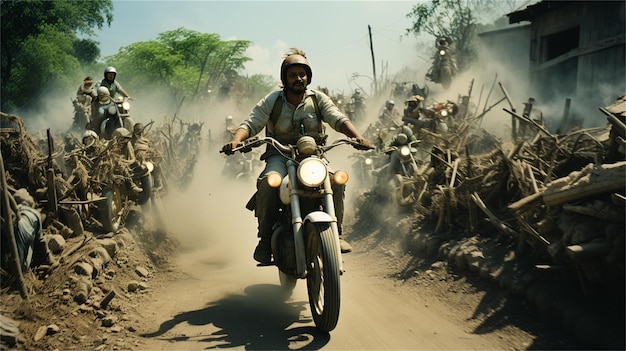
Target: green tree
(186,62)
(40,43)
(459,20)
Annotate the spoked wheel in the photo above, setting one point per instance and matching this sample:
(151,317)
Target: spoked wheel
(446,77)
(111,209)
(322,280)
(147,183)
(401,190)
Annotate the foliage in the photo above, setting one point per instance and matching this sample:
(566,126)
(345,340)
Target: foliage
(185,62)
(459,20)
(40,46)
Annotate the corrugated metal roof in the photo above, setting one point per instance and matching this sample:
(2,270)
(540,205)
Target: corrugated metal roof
(532,8)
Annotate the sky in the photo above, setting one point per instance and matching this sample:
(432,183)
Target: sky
(334,34)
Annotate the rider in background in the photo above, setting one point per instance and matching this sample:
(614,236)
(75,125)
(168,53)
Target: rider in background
(403,137)
(297,113)
(412,109)
(85,95)
(115,88)
(229,128)
(99,108)
(390,116)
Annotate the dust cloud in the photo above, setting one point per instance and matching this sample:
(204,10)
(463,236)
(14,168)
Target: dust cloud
(209,218)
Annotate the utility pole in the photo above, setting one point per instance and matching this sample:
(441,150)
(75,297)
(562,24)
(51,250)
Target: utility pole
(369,28)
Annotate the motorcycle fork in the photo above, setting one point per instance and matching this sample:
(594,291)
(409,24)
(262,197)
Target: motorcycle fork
(330,209)
(296,221)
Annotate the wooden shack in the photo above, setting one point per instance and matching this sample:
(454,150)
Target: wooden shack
(577,49)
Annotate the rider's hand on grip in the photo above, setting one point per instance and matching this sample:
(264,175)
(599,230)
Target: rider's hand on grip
(228,149)
(363,144)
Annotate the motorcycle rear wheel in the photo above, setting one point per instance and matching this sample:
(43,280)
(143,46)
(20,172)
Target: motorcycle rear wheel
(323,284)
(110,210)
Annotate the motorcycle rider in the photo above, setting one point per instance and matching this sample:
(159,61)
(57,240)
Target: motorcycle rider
(145,151)
(84,97)
(389,115)
(404,137)
(229,128)
(115,88)
(99,108)
(359,104)
(412,109)
(298,112)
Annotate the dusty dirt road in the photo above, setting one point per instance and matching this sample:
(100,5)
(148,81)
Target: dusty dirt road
(215,297)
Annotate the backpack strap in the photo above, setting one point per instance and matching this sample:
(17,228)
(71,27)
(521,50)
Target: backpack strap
(316,105)
(278,106)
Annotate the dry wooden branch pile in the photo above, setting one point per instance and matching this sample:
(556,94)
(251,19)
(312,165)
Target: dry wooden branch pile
(26,163)
(560,196)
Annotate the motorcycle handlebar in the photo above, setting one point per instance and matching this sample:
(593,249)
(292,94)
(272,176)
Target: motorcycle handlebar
(250,143)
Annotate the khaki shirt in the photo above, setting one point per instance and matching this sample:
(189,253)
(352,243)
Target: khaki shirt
(288,124)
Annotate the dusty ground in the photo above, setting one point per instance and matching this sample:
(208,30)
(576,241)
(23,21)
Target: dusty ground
(51,320)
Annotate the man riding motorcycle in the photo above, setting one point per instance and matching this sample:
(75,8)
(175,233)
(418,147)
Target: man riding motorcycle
(110,83)
(100,108)
(286,114)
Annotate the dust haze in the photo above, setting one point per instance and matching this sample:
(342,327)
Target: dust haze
(209,218)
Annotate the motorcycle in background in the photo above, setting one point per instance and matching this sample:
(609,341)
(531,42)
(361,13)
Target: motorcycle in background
(241,166)
(399,180)
(82,114)
(116,115)
(444,66)
(305,240)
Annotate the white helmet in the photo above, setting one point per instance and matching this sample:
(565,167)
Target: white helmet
(122,133)
(110,69)
(90,134)
(104,95)
(390,102)
(102,90)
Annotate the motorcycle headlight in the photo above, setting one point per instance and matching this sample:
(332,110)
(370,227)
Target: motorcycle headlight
(405,151)
(312,172)
(112,110)
(149,165)
(368,161)
(126,105)
(442,52)
(444,113)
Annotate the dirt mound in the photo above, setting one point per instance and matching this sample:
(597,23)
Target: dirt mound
(89,296)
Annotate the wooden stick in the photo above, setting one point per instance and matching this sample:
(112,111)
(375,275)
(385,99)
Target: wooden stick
(531,122)
(11,235)
(492,217)
(532,177)
(531,230)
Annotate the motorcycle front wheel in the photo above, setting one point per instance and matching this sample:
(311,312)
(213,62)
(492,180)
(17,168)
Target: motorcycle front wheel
(446,77)
(401,190)
(323,275)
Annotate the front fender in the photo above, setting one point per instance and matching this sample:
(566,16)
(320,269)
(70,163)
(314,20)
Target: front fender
(318,216)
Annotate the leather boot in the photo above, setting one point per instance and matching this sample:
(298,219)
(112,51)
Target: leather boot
(344,245)
(263,252)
